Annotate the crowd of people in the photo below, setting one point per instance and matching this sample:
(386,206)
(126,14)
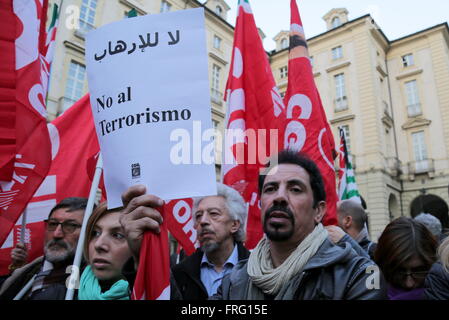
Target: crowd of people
(297,258)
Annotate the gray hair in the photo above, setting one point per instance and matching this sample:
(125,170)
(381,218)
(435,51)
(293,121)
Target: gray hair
(431,222)
(235,205)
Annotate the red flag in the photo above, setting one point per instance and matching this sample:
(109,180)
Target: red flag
(307,129)
(153,274)
(33,148)
(180,223)
(255,108)
(73,141)
(8,25)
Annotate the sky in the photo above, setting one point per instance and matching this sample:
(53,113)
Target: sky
(396,18)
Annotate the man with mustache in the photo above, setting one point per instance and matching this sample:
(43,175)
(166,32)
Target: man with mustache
(296,260)
(220,224)
(47,274)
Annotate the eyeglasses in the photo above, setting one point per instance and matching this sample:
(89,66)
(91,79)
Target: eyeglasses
(66,226)
(417,275)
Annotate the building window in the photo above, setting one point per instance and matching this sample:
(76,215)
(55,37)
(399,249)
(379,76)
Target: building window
(341,102)
(165,6)
(337,53)
(283,72)
(311,61)
(345,129)
(87,14)
(407,60)
(420,151)
(284,43)
(216,94)
(217,42)
(218,10)
(74,84)
(411,92)
(215,123)
(336,22)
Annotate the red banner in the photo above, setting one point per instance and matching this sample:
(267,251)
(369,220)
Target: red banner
(255,119)
(181,224)
(73,139)
(307,129)
(8,25)
(33,148)
(153,274)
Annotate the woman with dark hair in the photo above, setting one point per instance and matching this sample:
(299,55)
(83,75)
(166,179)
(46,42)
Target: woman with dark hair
(405,252)
(106,252)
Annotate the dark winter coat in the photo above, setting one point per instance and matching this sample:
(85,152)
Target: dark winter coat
(333,273)
(186,276)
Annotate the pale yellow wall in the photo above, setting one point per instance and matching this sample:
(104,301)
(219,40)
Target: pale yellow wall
(424,72)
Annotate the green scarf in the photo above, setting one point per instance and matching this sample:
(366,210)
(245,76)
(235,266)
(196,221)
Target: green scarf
(90,288)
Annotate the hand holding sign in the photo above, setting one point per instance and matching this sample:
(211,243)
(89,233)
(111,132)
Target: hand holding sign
(139,216)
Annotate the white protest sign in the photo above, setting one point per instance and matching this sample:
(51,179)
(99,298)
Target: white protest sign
(149,91)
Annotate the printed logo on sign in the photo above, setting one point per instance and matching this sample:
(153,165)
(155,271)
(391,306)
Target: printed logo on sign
(135,170)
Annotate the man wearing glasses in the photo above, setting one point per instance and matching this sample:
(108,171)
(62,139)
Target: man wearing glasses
(46,276)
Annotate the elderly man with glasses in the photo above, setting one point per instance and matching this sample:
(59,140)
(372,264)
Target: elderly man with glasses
(46,276)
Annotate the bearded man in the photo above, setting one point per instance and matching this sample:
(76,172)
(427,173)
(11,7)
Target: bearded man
(45,277)
(220,225)
(296,260)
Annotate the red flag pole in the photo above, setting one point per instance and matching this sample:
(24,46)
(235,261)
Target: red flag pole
(73,281)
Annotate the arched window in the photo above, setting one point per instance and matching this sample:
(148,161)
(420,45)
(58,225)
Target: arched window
(218,10)
(336,22)
(284,43)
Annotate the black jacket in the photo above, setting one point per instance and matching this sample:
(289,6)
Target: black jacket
(21,276)
(186,276)
(333,273)
(365,247)
(368,246)
(436,286)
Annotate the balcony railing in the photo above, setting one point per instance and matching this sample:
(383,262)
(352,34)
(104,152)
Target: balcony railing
(216,96)
(421,166)
(414,110)
(341,103)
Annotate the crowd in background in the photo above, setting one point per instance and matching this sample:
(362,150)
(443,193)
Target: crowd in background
(298,257)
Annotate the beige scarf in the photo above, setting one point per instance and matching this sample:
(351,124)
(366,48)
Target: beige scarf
(269,279)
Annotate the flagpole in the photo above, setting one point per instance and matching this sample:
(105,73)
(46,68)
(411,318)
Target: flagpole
(223,140)
(51,65)
(23,228)
(25,289)
(75,272)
